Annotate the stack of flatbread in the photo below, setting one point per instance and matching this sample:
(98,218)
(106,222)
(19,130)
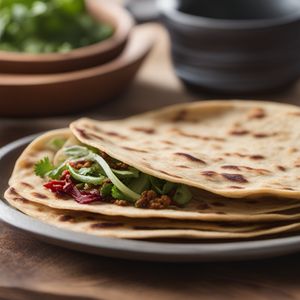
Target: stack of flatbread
(240,160)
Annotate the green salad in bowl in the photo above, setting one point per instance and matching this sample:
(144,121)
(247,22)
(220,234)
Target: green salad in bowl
(48,26)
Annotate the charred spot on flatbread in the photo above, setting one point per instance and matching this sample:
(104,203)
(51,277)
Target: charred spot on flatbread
(104,225)
(235,177)
(190,157)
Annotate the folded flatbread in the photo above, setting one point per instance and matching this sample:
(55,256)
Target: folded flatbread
(204,206)
(104,226)
(239,160)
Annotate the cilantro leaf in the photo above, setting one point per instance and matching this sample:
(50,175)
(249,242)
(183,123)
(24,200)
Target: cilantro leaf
(42,167)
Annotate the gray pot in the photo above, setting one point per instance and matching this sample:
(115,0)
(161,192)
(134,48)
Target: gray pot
(234,46)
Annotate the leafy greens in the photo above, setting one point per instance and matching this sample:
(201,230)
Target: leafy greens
(45,26)
(126,184)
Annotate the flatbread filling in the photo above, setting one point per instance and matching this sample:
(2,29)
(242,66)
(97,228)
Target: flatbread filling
(88,175)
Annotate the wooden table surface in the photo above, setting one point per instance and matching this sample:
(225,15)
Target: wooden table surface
(30,269)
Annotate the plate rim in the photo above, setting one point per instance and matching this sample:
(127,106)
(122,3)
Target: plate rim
(137,249)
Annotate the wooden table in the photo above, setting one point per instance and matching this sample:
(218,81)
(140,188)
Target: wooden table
(31,270)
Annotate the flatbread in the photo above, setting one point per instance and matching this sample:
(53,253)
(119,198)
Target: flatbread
(102,226)
(18,201)
(231,148)
(203,207)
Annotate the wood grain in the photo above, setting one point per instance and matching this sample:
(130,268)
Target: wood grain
(32,270)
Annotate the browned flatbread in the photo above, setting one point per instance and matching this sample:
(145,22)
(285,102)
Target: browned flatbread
(231,148)
(104,226)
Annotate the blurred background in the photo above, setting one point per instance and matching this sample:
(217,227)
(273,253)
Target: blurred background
(62,59)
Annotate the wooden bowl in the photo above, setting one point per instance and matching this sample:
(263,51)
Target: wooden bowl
(85,57)
(56,94)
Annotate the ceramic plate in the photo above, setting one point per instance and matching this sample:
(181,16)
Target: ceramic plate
(131,249)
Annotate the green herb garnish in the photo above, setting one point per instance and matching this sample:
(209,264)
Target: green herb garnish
(36,26)
(127,184)
(57,143)
(117,194)
(83,153)
(43,167)
(106,189)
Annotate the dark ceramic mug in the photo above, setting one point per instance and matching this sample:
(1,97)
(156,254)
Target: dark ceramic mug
(234,46)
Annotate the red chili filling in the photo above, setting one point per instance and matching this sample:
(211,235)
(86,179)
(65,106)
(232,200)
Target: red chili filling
(66,186)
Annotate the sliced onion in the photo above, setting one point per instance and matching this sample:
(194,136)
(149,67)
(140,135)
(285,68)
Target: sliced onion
(113,178)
